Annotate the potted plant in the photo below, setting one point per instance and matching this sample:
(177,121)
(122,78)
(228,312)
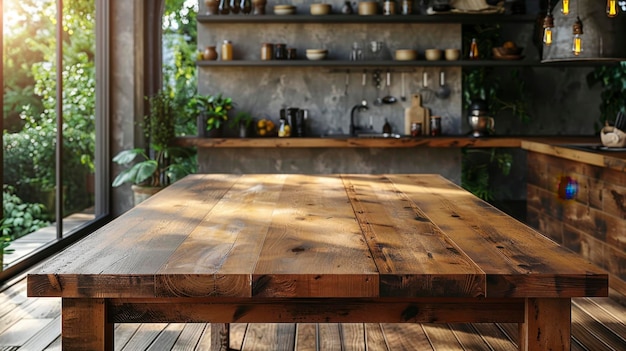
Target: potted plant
(612,79)
(212,112)
(242,122)
(160,164)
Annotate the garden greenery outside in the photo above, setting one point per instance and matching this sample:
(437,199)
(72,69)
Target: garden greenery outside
(30,101)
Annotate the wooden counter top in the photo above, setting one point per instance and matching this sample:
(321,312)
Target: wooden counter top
(349,142)
(576,152)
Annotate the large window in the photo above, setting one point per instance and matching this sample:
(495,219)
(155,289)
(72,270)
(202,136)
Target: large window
(54,161)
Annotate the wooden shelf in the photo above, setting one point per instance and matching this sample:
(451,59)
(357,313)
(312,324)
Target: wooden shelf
(340,18)
(365,64)
(348,142)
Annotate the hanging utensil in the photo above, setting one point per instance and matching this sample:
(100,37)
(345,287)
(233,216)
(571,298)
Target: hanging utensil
(444,91)
(345,92)
(403,96)
(363,84)
(377,80)
(426,92)
(389,99)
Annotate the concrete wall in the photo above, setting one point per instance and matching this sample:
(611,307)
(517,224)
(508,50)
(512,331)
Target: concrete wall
(326,161)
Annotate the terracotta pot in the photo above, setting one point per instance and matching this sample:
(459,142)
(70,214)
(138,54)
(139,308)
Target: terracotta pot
(142,193)
(210,53)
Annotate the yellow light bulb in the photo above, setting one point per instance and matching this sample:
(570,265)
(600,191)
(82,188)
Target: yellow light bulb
(547,36)
(565,8)
(577,46)
(611,8)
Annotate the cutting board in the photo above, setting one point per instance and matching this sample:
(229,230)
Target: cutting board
(416,114)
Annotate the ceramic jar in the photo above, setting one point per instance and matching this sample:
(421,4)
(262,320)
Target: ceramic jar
(259,6)
(209,53)
(212,7)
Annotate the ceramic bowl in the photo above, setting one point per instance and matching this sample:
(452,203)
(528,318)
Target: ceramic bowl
(284,9)
(367,8)
(320,9)
(432,54)
(405,55)
(316,54)
(452,54)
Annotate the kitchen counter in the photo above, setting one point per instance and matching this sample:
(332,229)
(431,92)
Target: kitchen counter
(354,142)
(584,152)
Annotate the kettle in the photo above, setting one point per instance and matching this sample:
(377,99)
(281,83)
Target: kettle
(479,120)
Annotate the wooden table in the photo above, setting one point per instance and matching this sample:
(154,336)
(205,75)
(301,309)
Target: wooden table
(325,248)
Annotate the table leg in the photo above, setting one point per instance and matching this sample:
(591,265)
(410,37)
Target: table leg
(84,325)
(220,336)
(547,325)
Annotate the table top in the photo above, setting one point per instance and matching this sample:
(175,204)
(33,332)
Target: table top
(316,236)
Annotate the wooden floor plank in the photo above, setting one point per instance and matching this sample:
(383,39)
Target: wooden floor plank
(598,331)
(608,327)
(189,336)
(468,337)
(237,334)
(306,337)
(329,337)
(55,345)
(204,343)
(167,337)
(22,331)
(123,334)
(144,336)
(441,337)
(45,337)
(37,308)
(270,337)
(407,337)
(600,314)
(375,338)
(511,330)
(497,340)
(352,336)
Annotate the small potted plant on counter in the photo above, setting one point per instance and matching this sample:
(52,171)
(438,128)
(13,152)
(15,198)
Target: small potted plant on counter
(212,111)
(242,122)
(160,164)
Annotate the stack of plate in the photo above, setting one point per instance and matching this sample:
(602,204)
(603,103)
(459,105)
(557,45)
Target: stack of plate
(316,54)
(284,9)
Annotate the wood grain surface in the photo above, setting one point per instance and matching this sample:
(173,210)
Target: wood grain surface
(361,236)
(316,249)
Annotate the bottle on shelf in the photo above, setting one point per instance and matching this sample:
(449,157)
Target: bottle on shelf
(407,7)
(246,6)
(347,9)
(389,7)
(474,54)
(224,7)
(234,6)
(227,50)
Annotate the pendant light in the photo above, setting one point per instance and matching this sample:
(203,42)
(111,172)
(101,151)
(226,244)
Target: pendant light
(565,7)
(577,30)
(548,24)
(611,8)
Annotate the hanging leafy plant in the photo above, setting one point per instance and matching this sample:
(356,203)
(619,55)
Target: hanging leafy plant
(613,82)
